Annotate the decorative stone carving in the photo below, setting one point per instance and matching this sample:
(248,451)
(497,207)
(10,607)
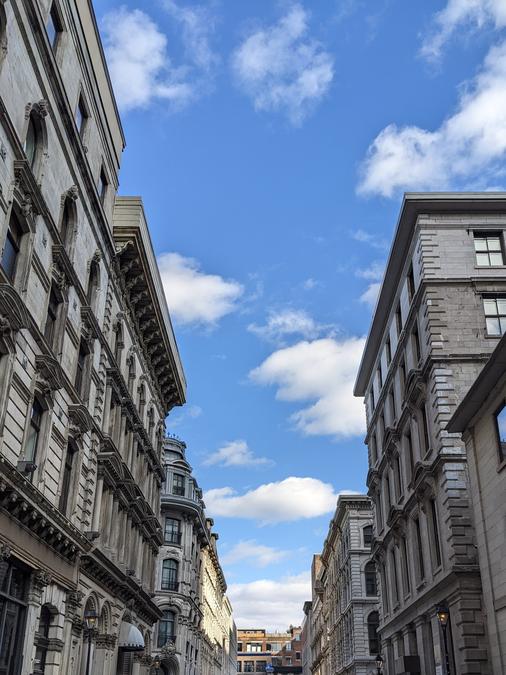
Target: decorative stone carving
(5,552)
(49,373)
(168,649)
(72,193)
(80,420)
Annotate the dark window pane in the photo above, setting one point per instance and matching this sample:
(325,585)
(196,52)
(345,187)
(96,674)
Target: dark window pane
(31,142)
(501,432)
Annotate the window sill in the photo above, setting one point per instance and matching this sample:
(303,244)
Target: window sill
(490,267)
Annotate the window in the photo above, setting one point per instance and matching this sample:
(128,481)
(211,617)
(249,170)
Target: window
(398,477)
(53,27)
(391,401)
(11,247)
(82,356)
(425,440)
(405,565)
(172,531)
(32,440)
(42,641)
(288,661)
(411,284)
(249,666)
(419,545)
(380,378)
(31,141)
(417,352)
(395,579)
(239,646)
(93,281)
(367,535)
(52,317)
(388,492)
(372,633)
(260,666)
(178,487)
(13,607)
(398,320)
(239,666)
(409,448)
(402,376)
(81,115)
(495,315)
(166,626)
(297,656)
(488,248)
(388,351)
(373,403)
(374,451)
(379,512)
(65,502)
(500,422)
(169,575)
(118,343)
(67,222)
(102,185)
(384,588)
(371,587)
(435,533)
(254,647)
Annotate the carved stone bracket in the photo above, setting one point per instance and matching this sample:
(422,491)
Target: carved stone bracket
(49,373)
(80,420)
(5,552)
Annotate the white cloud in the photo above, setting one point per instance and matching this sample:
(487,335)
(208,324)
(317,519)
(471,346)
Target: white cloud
(468,149)
(323,370)
(287,500)
(370,296)
(282,68)
(193,296)
(458,15)
(310,284)
(374,272)
(370,239)
(178,417)
(140,66)
(258,603)
(283,323)
(235,453)
(254,553)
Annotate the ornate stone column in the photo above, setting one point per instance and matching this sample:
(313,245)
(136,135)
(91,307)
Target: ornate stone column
(98,504)
(72,632)
(39,580)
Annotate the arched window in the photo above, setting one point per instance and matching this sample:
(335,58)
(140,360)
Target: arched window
(169,575)
(367,535)
(67,470)
(67,222)
(166,628)
(371,587)
(372,633)
(32,141)
(42,641)
(93,282)
(12,246)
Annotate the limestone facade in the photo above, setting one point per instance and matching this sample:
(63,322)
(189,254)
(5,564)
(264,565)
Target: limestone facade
(89,367)
(196,633)
(346,586)
(436,322)
(481,419)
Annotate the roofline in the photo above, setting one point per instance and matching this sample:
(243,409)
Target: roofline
(413,205)
(492,372)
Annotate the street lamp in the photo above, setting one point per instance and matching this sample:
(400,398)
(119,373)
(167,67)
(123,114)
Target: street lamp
(443,616)
(90,619)
(379,664)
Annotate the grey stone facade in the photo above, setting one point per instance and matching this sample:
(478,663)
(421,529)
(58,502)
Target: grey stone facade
(89,367)
(345,584)
(196,635)
(480,418)
(428,341)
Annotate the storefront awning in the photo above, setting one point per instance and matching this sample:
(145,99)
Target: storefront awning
(130,638)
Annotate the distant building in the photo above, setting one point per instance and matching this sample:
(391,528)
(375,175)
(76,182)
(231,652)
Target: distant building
(439,315)
(319,636)
(306,638)
(481,418)
(346,621)
(257,649)
(196,634)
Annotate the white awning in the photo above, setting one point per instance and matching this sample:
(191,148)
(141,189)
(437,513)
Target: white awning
(130,638)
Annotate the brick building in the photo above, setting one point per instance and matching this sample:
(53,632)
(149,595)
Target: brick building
(258,648)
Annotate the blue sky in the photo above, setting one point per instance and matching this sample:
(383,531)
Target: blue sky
(271,142)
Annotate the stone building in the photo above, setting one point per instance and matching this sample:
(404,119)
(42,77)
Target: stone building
(438,317)
(347,588)
(196,634)
(481,418)
(219,637)
(306,638)
(319,637)
(89,366)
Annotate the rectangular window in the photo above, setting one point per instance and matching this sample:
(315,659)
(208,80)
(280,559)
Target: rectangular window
(500,422)
(495,315)
(391,399)
(54,27)
(411,284)
(395,580)
(368,535)
(52,316)
(398,477)
(388,492)
(372,445)
(435,533)
(172,531)
(398,320)
(102,185)
(380,377)
(488,248)
(65,502)
(12,246)
(81,367)
(409,448)
(405,566)
(81,115)
(417,352)
(260,666)
(384,585)
(388,351)
(178,487)
(425,440)
(254,647)
(249,666)
(402,377)
(379,512)
(419,545)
